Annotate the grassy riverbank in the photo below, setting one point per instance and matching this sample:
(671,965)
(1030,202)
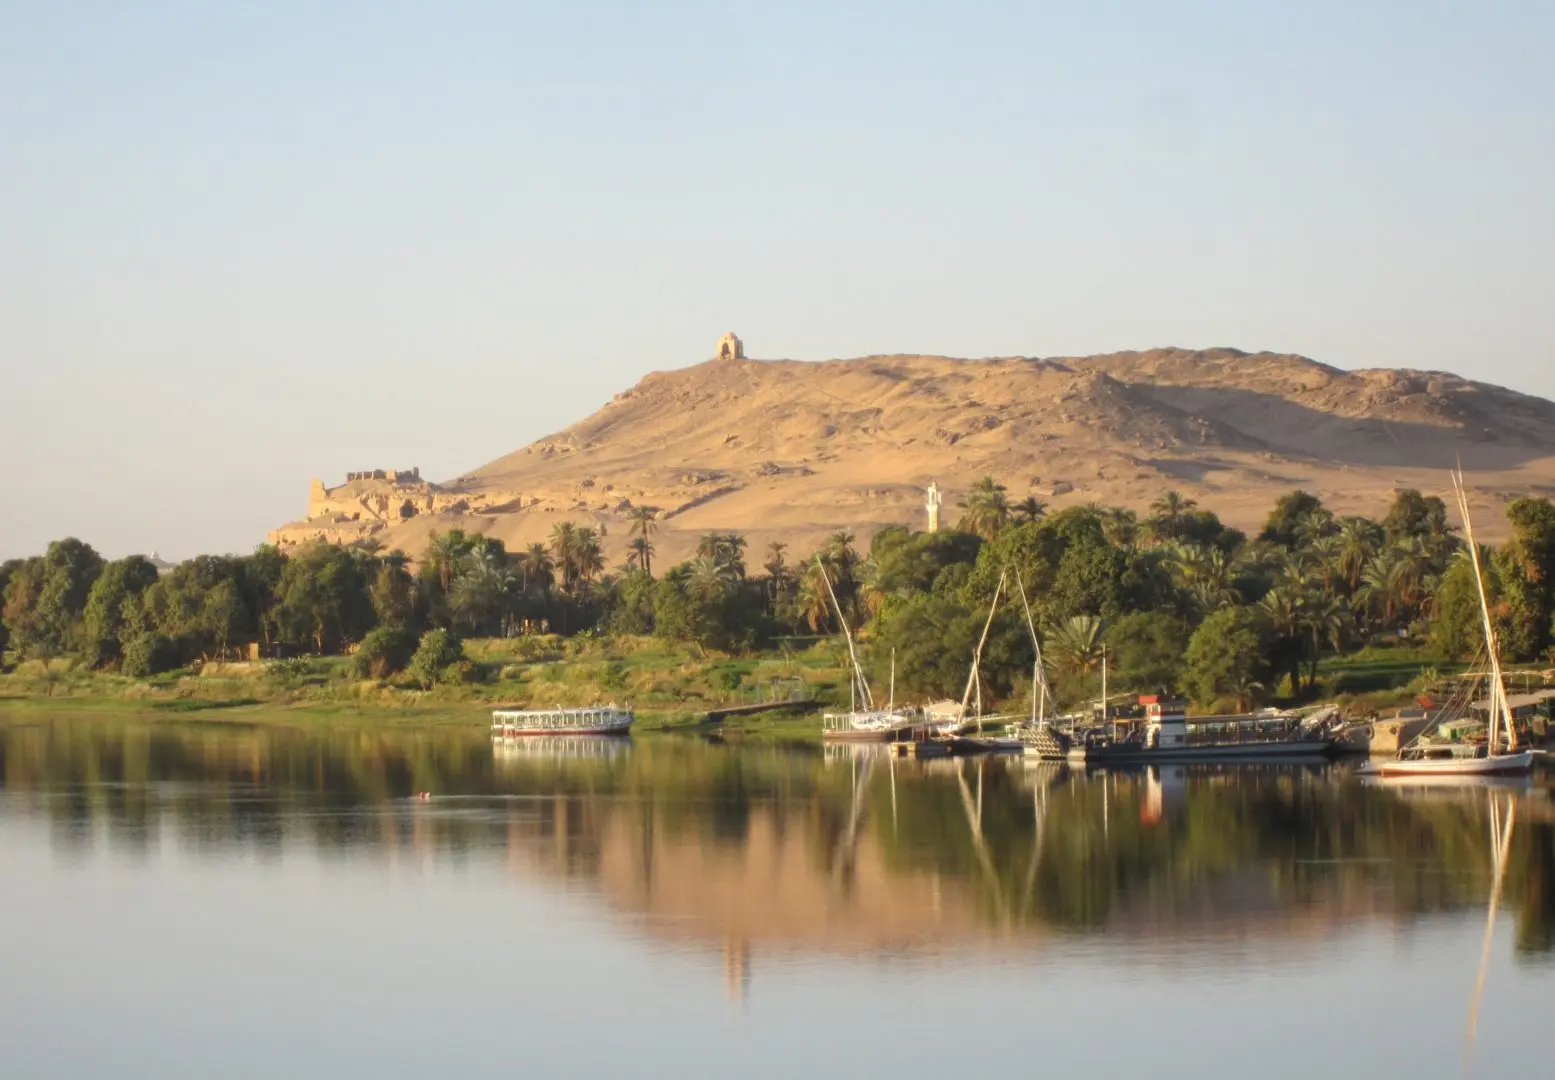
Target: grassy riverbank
(672,689)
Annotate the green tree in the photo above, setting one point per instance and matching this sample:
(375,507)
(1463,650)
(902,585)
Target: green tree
(1456,623)
(1288,518)
(69,569)
(115,592)
(394,596)
(383,652)
(1147,649)
(221,616)
(1090,580)
(148,653)
(435,658)
(1529,559)
(1225,658)
(325,598)
(1417,515)
(259,580)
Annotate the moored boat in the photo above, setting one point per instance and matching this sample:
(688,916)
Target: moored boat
(1166,735)
(1499,753)
(590,720)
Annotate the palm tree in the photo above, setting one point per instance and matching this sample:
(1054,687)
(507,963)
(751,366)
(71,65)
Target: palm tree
(1327,620)
(985,509)
(1120,527)
(444,550)
(1246,690)
(1167,515)
(1319,521)
(839,549)
(1076,644)
(1028,511)
(1358,542)
(775,567)
(777,574)
(814,602)
(1284,607)
(870,594)
(589,556)
(640,554)
(482,594)
(537,571)
(711,576)
(643,527)
(1385,586)
(564,551)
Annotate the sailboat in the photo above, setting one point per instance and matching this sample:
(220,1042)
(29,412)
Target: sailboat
(953,720)
(1499,754)
(867,724)
(1037,736)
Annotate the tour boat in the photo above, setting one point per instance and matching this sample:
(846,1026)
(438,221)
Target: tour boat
(1499,754)
(1167,735)
(592,720)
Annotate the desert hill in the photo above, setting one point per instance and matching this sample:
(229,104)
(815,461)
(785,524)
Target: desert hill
(794,450)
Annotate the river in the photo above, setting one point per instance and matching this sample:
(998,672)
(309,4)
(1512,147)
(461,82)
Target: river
(188,899)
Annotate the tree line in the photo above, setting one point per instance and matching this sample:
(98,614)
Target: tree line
(1174,598)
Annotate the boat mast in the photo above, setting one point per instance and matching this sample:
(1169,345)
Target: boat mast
(858,672)
(1104,717)
(1038,674)
(891,703)
(977,653)
(1500,708)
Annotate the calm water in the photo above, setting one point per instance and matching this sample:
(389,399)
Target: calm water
(209,900)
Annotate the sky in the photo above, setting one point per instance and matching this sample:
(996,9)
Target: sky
(243,245)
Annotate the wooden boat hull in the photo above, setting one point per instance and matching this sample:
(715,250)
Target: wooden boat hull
(864,735)
(1123,753)
(1499,765)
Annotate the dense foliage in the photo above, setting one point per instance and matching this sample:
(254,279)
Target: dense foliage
(1173,600)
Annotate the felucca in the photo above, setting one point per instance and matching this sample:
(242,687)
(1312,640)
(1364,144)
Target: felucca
(868,724)
(1499,754)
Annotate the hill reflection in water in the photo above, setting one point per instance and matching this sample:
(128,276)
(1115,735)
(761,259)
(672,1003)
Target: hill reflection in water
(796,848)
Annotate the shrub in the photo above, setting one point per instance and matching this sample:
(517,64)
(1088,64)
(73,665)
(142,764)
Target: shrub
(383,652)
(293,667)
(148,654)
(439,650)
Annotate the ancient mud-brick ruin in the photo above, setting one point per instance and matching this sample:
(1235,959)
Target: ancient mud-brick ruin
(368,502)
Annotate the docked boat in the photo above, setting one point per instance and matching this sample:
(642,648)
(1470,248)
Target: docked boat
(1166,735)
(867,724)
(591,720)
(1456,752)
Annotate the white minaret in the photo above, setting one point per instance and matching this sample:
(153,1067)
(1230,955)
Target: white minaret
(932,506)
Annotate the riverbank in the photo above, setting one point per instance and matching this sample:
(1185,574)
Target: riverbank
(671,689)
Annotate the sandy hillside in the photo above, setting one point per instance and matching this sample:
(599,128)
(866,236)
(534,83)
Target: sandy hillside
(792,450)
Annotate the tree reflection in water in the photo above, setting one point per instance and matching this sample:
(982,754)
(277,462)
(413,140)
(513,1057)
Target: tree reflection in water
(790,844)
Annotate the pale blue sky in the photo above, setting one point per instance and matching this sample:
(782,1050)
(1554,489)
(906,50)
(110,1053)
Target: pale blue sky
(246,244)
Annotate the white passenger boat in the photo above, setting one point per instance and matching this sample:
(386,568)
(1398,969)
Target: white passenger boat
(1499,754)
(591,720)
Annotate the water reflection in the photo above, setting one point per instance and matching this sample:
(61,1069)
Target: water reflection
(842,850)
